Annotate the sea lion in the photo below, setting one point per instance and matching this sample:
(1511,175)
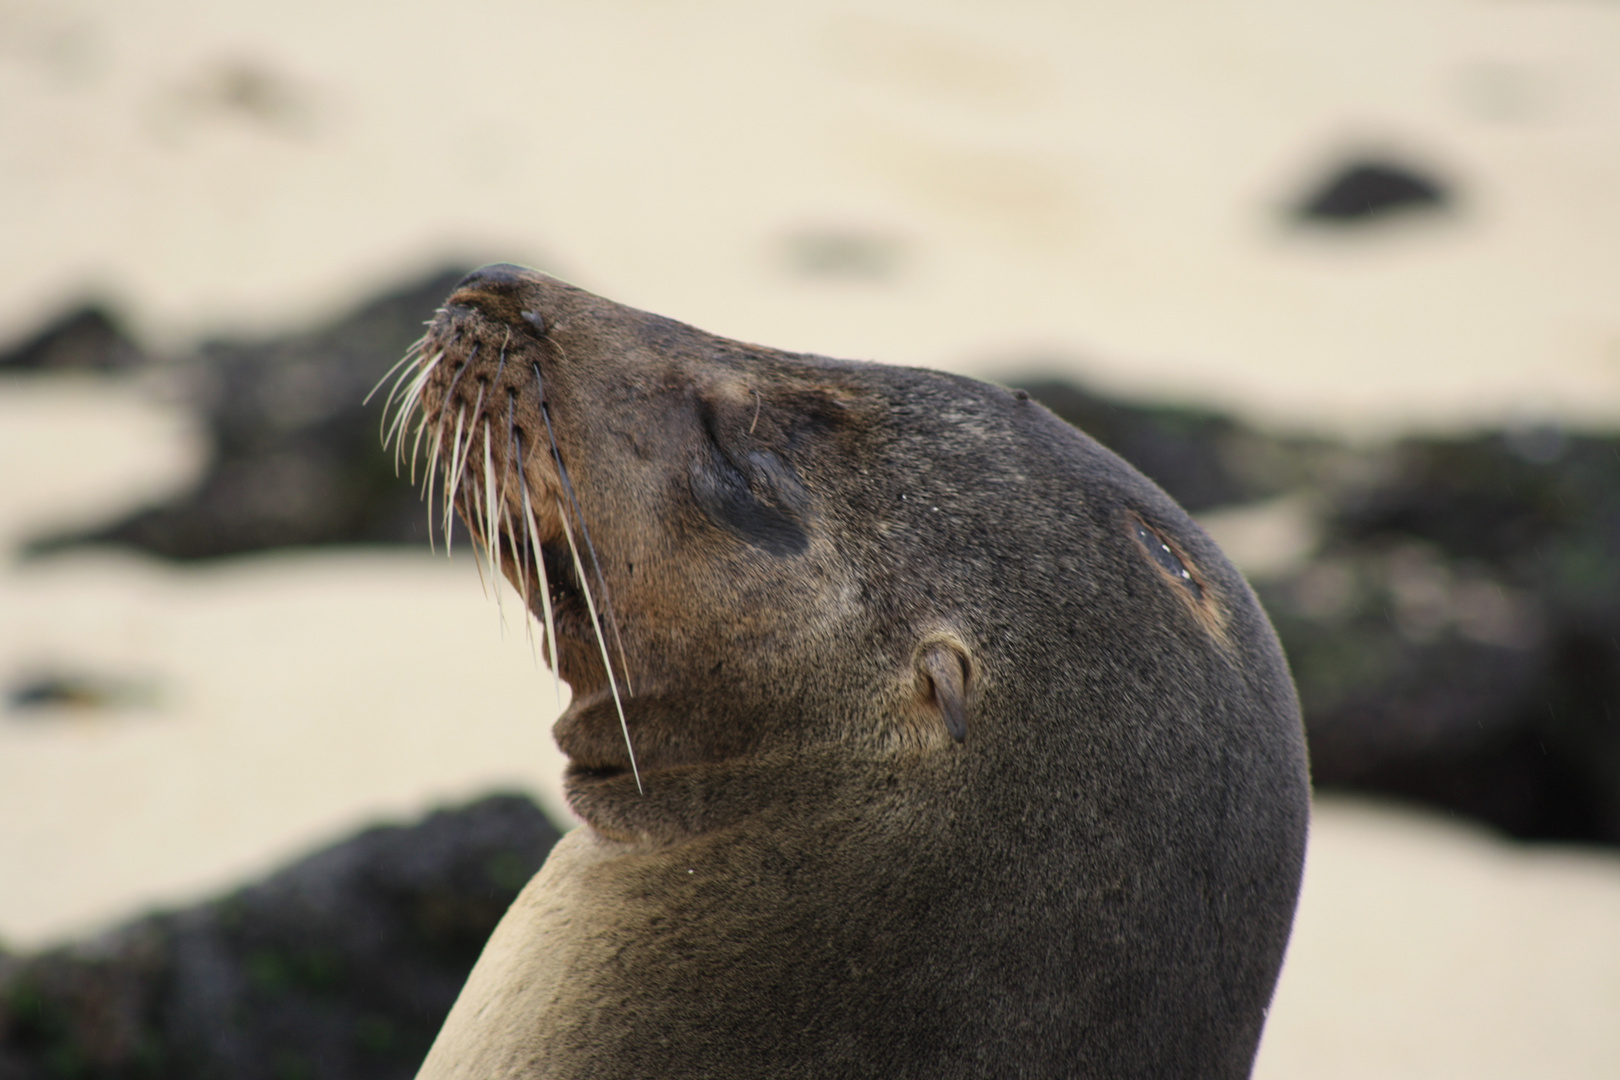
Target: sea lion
(916,734)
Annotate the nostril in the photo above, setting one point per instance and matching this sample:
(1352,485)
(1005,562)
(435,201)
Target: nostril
(496,277)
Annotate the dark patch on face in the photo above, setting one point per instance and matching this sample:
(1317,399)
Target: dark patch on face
(754,495)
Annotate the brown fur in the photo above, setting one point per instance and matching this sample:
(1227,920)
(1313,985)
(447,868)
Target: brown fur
(817,878)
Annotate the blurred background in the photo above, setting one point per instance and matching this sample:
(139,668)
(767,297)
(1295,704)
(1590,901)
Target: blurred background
(1341,275)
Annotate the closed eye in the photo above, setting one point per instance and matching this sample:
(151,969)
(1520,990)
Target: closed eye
(725,494)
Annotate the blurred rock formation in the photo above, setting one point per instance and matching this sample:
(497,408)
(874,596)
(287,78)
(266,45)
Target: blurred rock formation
(89,338)
(339,967)
(1456,640)
(297,460)
(1364,191)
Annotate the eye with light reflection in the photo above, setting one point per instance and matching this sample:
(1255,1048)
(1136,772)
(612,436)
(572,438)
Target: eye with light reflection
(1168,560)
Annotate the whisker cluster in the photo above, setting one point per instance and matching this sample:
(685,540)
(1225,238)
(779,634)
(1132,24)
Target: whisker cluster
(489,501)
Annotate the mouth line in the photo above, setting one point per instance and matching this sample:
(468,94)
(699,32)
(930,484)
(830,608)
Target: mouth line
(575,772)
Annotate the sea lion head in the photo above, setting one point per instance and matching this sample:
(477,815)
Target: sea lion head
(747,551)
(709,539)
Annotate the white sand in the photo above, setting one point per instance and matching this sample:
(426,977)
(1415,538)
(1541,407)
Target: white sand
(1427,950)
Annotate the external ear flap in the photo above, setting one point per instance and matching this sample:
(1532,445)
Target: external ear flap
(946,671)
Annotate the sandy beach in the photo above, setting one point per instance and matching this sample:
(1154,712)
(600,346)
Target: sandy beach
(1090,191)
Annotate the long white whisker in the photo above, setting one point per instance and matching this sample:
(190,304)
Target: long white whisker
(492,536)
(585,531)
(438,439)
(402,418)
(472,512)
(601,643)
(522,565)
(472,433)
(435,449)
(545,583)
(410,354)
(430,474)
(401,381)
(416,447)
(452,487)
(477,410)
(413,396)
(518,560)
(406,368)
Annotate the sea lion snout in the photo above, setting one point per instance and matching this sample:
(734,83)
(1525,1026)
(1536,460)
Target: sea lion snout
(658,497)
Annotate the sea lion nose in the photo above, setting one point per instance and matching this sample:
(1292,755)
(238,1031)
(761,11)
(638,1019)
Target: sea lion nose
(494,278)
(496,290)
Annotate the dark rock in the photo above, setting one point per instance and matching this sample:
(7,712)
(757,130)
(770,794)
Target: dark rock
(341,966)
(296,457)
(88,339)
(1364,191)
(48,692)
(1468,653)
